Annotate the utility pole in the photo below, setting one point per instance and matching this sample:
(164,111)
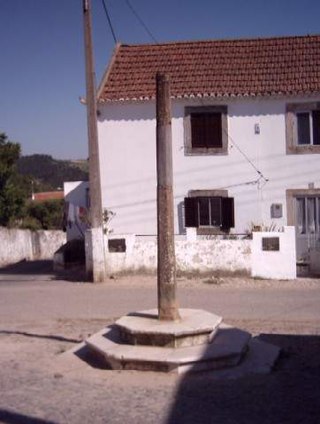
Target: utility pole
(96,242)
(167,304)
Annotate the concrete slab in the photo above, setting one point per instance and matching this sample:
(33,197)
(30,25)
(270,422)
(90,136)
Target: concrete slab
(195,327)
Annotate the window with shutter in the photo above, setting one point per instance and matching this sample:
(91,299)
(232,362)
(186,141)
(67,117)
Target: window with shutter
(228,212)
(209,212)
(206,130)
(191,212)
(316,127)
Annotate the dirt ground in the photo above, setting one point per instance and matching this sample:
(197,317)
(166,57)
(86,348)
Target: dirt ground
(42,382)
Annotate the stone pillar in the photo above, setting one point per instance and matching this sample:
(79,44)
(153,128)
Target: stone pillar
(167,303)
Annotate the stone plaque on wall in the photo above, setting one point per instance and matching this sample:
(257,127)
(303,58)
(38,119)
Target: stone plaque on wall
(271,244)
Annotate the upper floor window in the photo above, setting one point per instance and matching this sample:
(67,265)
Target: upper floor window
(308,125)
(206,130)
(303,128)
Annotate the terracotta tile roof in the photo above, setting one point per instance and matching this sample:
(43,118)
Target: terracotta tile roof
(47,195)
(244,67)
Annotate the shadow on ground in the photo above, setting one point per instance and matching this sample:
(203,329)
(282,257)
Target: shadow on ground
(40,336)
(11,417)
(289,394)
(28,268)
(74,273)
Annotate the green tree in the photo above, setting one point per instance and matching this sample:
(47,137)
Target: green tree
(47,215)
(12,198)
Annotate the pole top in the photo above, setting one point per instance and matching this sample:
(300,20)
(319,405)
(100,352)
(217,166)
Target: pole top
(161,76)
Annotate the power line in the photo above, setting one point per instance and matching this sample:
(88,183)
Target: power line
(109,20)
(141,21)
(247,159)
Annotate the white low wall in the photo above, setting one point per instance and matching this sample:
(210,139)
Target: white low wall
(201,256)
(279,264)
(270,255)
(17,245)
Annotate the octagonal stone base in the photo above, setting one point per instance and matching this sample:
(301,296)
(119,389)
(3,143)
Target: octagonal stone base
(199,341)
(195,327)
(227,350)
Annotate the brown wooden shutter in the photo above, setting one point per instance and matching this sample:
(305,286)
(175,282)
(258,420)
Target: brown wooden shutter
(213,127)
(227,212)
(197,130)
(191,212)
(316,126)
(206,129)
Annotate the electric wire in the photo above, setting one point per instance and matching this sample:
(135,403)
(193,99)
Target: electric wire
(247,183)
(246,157)
(141,21)
(109,20)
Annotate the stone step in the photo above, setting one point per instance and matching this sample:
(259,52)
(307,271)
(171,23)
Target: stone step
(226,350)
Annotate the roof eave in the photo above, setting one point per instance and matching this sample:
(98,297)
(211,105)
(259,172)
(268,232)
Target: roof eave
(215,96)
(105,77)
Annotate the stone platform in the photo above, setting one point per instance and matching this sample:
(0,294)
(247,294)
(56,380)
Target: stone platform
(144,328)
(199,341)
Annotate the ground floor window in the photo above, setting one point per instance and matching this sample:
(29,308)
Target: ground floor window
(308,215)
(209,212)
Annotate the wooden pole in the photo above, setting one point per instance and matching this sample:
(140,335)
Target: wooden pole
(167,304)
(97,239)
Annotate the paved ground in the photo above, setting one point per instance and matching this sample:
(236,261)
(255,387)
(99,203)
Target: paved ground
(42,316)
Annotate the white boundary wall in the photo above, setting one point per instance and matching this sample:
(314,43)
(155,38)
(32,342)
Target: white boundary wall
(17,245)
(274,264)
(217,255)
(201,256)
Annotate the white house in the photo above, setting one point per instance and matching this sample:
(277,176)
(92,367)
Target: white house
(245,130)
(76,196)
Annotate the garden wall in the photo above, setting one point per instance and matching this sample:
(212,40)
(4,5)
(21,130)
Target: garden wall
(17,245)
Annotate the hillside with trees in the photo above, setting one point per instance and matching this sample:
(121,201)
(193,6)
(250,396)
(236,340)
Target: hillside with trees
(50,173)
(20,175)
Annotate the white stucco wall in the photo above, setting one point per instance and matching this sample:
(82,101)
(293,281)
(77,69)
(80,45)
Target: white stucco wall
(17,245)
(274,264)
(127,144)
(215,256)
(201,256)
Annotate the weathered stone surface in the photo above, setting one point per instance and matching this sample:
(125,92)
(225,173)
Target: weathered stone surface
(199,341)
(144,328)
(227,349)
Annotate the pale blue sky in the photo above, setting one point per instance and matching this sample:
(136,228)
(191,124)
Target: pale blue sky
(42,58)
